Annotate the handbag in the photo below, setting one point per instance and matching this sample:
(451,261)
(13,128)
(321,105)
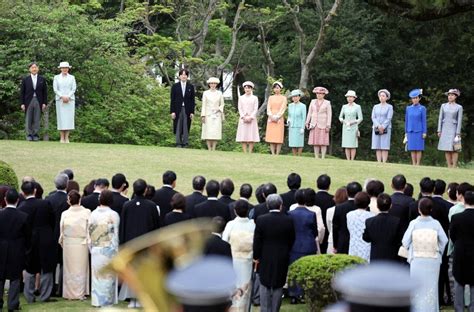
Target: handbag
(403,252)
(457,146)
(377,132)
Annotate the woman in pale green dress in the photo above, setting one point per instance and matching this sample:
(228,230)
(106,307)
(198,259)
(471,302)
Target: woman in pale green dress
(64,86)
(295,123)
(350,117)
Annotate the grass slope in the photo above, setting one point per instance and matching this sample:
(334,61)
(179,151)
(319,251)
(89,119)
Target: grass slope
(44,160)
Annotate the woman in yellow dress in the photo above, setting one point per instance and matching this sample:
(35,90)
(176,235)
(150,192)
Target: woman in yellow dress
(276,108)
(212,114)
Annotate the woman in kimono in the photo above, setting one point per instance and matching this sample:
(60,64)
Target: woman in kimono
(104,240)
(350,117)
(449,127)
(296,120)
(239,234)
(247,130)
(425,241)
(73,239)
(212,114)
(318,122)
(356,226)
(276,108)
(382,114)
(64,86)
(415,127)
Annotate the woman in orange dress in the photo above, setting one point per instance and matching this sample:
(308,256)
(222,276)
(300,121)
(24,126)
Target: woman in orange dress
(276,108)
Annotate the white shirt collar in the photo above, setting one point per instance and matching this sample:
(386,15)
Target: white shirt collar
(243,198)
(31,196)
(440,196)
(10,206)
(167,185)
(275,210)
(62,191)
(212,198)
(217,234)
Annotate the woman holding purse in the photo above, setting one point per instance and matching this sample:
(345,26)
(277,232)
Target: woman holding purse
(382,114)
(296,119)
(449,128)
(350,117)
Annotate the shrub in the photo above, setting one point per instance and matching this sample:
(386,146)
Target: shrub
(315,273)
(7,175)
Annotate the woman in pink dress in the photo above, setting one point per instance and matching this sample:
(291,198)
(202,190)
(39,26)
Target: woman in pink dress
(276,108)
(318,122)
(247,130)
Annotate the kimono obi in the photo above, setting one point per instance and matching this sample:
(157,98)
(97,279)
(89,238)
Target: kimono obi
(241,243)
(425,243)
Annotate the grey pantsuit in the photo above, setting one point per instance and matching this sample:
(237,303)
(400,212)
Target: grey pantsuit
(33,117)
(270,299)
(449,124)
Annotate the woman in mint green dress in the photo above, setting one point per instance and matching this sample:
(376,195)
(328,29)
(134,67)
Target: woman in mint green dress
(350,117)
(296,123)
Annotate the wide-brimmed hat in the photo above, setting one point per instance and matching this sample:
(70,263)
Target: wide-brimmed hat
(387,93)
(415,93)
(351,93)
(213,80)
(296,92)
(248,83)
(64,65)
(320,90)
(277,83)
(453,91)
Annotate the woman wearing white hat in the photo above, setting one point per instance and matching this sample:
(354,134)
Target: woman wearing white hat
(276,107)
(247,130)
(382,114)
(350,117)
(64,86)
(212,114)
(449,128)
(296,121)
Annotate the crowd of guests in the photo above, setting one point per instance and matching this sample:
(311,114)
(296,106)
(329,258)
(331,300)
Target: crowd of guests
(58,245)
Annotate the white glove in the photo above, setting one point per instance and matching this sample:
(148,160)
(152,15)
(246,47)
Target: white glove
(302,130)
(348,123)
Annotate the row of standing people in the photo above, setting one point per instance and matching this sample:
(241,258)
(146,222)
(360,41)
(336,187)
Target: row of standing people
(318,121)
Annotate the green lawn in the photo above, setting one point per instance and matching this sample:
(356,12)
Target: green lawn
(44,160)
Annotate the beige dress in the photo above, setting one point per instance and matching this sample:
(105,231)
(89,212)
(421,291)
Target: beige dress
(213,111)
(73,239)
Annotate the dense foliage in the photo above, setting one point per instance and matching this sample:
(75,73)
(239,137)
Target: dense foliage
(315,274)
(7,175)
(116,55)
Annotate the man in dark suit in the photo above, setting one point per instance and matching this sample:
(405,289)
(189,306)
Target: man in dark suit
(15,234)
(119,185)
(196,196)
(340,231)
(383,232)
(182,108)
(92,201)
(212,207)
(400,202)
(58,201)
(294,183)
(443,283)
(227,189)
(273,239)
(33,99)
(163,196)
(245,194)
(261,209)
(438,212)
(41,257)
(139,215)
(462,235)
(215,245)
(324,200)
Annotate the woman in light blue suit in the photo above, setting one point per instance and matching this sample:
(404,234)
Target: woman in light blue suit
(382,114)
(64,86)
(449,127)
(415,127)
(296,123)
